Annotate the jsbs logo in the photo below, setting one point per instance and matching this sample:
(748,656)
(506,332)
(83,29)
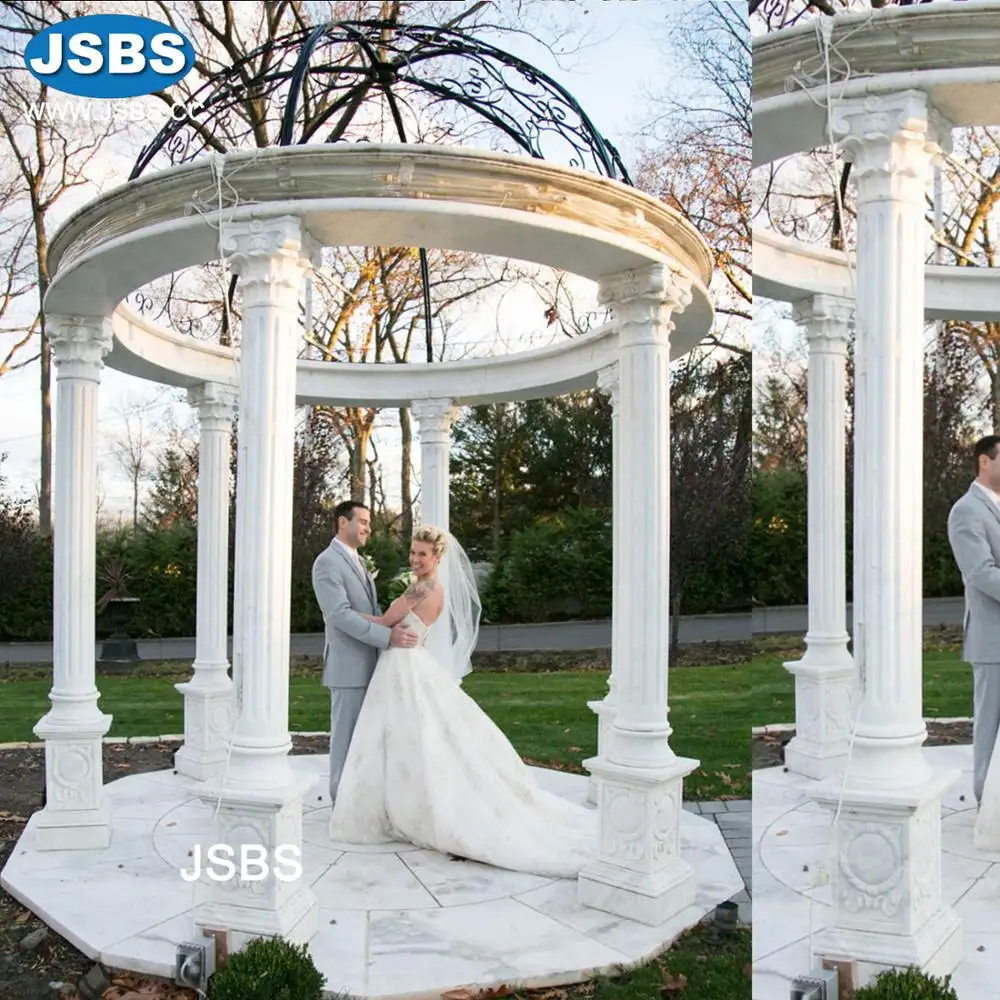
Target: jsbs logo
(109,56)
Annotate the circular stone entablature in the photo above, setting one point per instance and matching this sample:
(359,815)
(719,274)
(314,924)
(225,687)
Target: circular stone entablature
(446,198)
(950,51)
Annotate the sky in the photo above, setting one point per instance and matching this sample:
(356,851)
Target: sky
(624,63)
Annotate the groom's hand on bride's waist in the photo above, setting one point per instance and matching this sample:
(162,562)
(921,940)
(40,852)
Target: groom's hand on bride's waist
(402,636)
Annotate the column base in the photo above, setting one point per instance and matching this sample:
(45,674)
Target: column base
(208,723)
(639,873)
(824,708)
(605,712)
(888,907)
(269,823)
(75,815)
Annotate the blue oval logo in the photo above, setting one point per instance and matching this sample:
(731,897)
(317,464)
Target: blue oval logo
(109,56)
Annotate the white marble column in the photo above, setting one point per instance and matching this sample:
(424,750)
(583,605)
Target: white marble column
(75,814)
(888,905)
(824,677)
(640,874)
(604,709)
(208,696)
(259,796)
(434,419)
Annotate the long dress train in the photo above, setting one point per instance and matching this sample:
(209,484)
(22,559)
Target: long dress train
(428,766)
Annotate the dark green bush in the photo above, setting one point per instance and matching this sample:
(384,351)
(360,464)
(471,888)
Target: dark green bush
(907,984)
(268,969)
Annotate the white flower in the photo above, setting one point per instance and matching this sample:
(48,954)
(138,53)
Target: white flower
(370,566)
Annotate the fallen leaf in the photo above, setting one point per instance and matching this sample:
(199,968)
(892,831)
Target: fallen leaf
(22,916)
(673,984)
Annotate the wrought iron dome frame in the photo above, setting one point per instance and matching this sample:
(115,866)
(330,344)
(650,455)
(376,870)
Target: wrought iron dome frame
(524,106)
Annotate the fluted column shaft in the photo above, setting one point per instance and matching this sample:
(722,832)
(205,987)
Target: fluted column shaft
(270,258)
(824,677)
(642,729)
(75,814)
(604,709)
(888,906)
(639,873)
(891,146)
(434,420)
(208,695)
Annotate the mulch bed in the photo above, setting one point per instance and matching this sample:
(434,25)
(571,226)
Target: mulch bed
(769,748)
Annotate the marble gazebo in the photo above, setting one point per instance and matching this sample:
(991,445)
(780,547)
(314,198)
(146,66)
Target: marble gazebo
(863,843)
(100,862)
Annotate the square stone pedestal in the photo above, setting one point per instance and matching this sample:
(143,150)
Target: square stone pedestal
(824,699)
(268,821)
(208,721)
(639,874)
(886,879)
(75,816)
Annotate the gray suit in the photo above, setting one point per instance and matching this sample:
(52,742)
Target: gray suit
(974,534)
(345,591)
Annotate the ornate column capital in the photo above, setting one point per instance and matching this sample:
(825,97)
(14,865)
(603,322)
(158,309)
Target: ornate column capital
(892,140)
(433,415)
(215,403)
(269,253)
(643,300)
(79,345)
(608,382)
(826,320)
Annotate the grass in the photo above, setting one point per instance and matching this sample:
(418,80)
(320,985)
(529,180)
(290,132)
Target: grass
(947,679)
(543,713)
(698,967)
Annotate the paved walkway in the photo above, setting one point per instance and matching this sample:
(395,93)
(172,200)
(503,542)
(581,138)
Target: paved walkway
(733,819)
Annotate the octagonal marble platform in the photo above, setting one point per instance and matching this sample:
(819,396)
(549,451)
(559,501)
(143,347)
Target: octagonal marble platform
(790,837)
(395,921)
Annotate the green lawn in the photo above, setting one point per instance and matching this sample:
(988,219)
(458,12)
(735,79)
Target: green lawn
(947,682)
(698,967)
(544,714)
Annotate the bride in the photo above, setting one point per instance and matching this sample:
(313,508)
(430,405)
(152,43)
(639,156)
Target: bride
(427,766)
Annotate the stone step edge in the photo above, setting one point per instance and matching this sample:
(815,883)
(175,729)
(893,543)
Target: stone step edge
(789,727)
(136,740)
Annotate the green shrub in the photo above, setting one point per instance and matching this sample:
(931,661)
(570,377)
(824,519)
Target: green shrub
(907,984)
(268,969)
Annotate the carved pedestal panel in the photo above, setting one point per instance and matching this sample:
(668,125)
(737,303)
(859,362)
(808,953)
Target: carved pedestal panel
(824,709)
(886,880)
(268,906)
(75,816)
(209,712)
(640,874)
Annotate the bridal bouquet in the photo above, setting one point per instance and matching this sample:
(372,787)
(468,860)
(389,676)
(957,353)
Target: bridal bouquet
(399,583)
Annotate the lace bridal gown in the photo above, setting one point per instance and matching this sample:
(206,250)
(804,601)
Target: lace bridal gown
(427,766)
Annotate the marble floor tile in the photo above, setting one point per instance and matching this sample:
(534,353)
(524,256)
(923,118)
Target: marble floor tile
(372,882)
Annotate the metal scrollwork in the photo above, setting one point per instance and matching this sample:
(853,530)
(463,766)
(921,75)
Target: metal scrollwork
(319,79)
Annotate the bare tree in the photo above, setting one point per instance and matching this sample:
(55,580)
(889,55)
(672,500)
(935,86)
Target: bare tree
(52,158)
(133,451)
(701,153)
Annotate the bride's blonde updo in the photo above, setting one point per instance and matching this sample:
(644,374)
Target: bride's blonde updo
(432,536)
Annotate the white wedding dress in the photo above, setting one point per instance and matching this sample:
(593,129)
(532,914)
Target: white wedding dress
(986,833)
(429,767)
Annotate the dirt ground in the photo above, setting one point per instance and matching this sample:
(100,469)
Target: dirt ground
(769,750)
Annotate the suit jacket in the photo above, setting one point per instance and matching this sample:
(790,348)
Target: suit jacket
(974,534)
(345,591)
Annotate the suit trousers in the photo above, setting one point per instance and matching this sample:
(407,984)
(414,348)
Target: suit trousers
(985,722)
(345,707)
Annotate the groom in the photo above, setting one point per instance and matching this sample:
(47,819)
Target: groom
(974,534)
(345,591)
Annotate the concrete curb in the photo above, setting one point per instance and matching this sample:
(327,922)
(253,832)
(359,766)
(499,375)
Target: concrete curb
(789,727)
(119,740)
